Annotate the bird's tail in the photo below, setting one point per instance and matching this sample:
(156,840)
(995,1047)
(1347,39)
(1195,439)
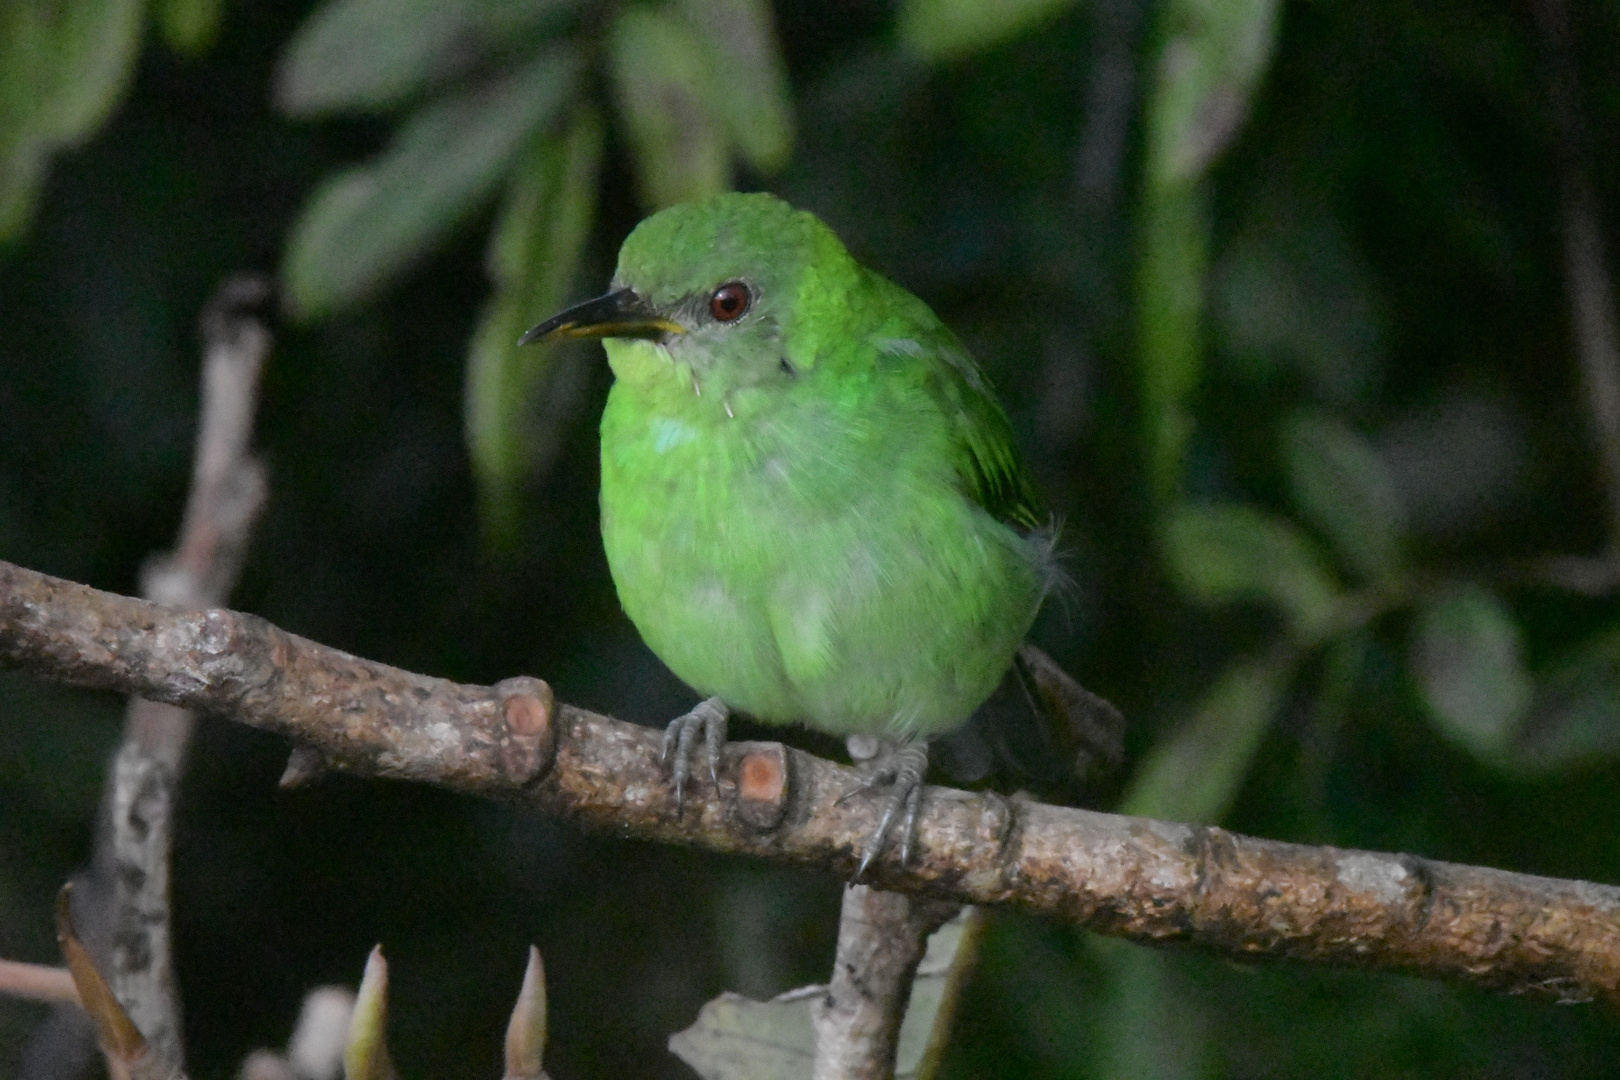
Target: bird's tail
(1041,730)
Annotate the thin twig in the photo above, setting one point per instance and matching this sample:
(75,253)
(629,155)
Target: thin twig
(124,911)
(1148,881)
(37,982)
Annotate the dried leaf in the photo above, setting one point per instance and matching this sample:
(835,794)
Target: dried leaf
(1466,658)
(119,1037)
(662,84)
(936,991)
(368,224)
(1341,486)
(736,1038)
(1225,552)
(943,30)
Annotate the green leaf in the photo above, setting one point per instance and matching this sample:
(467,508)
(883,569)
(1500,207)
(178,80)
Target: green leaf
(661,82)
(1466,659)
(372,54)
(1196,773)
(950,29)
(1170,303)
(517,398)
(189,26)
(63,66)
(366,225)
(1225,553)
(1341,486)
(736,1038)
(747,86)
(1213,54)
(1575,713)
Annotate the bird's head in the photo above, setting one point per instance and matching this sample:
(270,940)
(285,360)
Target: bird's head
(734,292)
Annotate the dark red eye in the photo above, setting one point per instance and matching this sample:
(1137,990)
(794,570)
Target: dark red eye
(730,301)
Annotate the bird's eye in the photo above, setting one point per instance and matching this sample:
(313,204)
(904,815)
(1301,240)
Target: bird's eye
(730,301)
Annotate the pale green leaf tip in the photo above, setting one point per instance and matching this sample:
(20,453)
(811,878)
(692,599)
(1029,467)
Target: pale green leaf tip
(366,1055)
(526,1032)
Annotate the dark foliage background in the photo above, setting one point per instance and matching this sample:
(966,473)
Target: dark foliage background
(1379,253)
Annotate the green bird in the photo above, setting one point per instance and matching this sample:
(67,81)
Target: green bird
(812,504)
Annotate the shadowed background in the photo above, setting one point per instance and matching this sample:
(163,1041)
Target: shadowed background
(1278,302)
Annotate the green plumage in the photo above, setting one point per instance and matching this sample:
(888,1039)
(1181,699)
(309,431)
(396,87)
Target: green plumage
(814,512)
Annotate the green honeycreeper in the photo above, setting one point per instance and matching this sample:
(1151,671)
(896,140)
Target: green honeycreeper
(812,505)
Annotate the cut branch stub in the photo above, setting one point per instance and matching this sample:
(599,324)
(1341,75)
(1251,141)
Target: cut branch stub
(529,740)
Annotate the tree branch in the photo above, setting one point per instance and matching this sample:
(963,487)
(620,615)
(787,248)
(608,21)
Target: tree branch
(1148,881)
(123,903)
(881,939)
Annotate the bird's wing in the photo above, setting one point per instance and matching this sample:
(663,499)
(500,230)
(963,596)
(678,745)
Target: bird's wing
(987,460)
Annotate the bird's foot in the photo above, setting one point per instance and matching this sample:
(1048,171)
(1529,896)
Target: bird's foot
(900,767)
(708,717)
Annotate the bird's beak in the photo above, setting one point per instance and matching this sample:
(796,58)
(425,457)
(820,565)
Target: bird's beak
(618,314)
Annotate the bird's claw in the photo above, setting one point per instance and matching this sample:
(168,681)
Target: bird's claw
(709,717)
(901,769)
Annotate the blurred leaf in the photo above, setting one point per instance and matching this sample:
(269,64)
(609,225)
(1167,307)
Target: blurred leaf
(1213,55)
(1290,293)
(534,259)
(64,64)
(1344,659)
(747,85)
(950,29)
(1195,773)
(371,54)
(1169,292)
(1465,657)
(661,81)
(1575,713)
(189,26)
(1149,1022)
(1339,483)
(1226,552)
(367,224)
(736,1038)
